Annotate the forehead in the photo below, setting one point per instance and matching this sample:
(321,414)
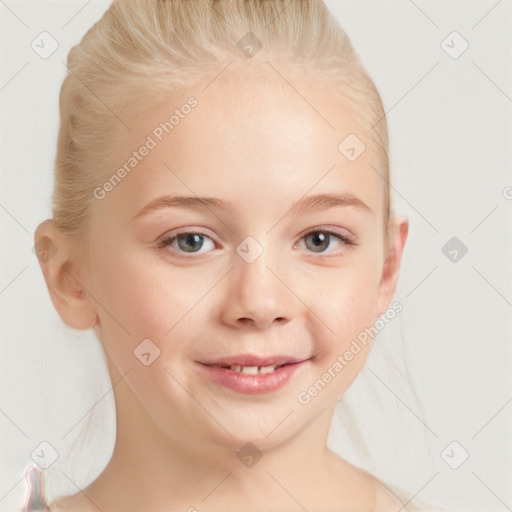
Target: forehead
(253,137)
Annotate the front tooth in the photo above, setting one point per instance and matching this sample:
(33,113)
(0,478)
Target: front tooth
(267,369)
(236,368)
(250,370)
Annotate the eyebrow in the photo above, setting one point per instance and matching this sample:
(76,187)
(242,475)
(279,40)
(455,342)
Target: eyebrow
(324,201)
(308,203)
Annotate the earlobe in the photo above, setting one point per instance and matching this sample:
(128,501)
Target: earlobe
(399,230)
(63,276)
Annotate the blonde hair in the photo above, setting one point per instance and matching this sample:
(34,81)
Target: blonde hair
(141,52)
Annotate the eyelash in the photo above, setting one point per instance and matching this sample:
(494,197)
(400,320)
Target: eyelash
(344,239)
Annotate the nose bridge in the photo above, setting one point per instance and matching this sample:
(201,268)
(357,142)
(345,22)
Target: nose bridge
(257,291)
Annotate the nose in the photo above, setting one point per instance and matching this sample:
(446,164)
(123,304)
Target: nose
(258,294)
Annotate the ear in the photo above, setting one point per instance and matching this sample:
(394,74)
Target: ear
(398,231)
(63,273)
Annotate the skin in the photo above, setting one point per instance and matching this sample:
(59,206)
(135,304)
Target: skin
(260,146)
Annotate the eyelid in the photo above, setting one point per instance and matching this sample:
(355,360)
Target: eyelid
(185,231)
(337,231)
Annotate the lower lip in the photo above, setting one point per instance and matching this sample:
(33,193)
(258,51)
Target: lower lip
(251,384)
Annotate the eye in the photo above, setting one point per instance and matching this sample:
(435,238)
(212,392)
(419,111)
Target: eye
(320,240)
(191,242)
(186,241)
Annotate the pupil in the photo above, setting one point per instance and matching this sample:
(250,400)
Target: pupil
(322,238)
(191,239)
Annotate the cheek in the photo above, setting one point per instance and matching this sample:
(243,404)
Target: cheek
(346,303)
(136,300)
(349,296)
(343,354)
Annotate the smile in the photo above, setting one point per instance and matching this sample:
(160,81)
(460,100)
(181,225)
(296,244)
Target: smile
(251,374)
(251,370)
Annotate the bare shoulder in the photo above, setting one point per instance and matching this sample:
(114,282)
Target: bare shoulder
(387,500)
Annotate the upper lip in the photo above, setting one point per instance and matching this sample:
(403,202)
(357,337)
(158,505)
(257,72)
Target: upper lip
(255,360)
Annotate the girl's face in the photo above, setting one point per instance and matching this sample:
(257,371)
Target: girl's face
(276,257)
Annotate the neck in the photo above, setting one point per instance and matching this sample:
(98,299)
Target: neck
(149,470)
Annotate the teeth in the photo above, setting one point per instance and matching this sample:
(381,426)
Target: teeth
(253,370)
(267,369)
(250,370)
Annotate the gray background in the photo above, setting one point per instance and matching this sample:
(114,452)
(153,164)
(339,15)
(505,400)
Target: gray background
(450,128)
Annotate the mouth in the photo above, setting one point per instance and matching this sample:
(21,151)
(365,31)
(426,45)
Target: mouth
(253,364)
(253,374)
(250,370)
